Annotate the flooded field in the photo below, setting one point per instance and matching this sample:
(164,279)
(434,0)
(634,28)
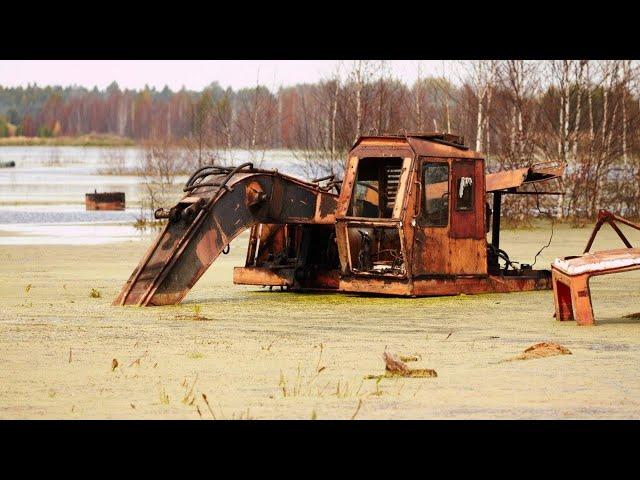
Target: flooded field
(244,352)
(42,197)
(232,352)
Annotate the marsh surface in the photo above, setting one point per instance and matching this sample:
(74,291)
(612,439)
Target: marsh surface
(260,354)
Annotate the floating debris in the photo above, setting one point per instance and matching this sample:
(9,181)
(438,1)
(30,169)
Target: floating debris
(541,350)
(410,358)
(104,201)
(395,367)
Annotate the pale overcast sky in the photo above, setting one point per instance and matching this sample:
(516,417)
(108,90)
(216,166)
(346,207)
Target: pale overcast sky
(195,74)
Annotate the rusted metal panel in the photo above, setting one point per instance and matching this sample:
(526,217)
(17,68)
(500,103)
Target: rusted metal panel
(510,179)
(431,243)
(378,286)
(466,220)
(481,284)
(505,180)
(426,148)
(327,205)
(262,276)
(404,188)
(431,251)
(189,244)
(467,256)
(105,201)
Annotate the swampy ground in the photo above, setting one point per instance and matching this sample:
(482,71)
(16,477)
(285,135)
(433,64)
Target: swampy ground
(231,352)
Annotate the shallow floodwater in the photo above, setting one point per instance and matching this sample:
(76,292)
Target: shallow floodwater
(42,197)
(239,351)
(45,175)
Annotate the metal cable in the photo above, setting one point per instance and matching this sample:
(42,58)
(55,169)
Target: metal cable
(540,212)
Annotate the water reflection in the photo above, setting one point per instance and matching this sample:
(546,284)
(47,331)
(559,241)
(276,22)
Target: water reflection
(42,197)
(68,234)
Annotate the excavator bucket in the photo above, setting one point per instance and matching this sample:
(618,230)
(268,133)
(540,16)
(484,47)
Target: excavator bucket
(220,203)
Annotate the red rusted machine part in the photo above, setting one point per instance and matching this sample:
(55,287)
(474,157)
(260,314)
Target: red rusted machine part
(605,216)
(571,275)
(379,234)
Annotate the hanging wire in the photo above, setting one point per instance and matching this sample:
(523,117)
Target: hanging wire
(540,212)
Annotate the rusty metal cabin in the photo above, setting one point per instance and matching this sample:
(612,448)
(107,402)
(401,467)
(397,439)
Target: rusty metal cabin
(410,218)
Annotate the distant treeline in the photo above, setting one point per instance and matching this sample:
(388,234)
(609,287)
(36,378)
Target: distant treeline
(583,113)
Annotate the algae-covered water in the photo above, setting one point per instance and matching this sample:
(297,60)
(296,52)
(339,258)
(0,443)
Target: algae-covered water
(244,352)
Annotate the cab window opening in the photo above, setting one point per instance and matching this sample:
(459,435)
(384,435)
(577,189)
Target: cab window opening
(436,194)
(464,194)
(376,187)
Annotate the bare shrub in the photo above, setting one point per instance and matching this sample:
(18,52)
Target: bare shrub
(114,162)
(159,166)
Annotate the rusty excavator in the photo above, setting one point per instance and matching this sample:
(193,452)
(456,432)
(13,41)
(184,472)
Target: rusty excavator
(410,218)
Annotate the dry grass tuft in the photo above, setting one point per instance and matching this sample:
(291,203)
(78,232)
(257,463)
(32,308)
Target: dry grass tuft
(189,396)
(196,316)
(164,398)
(206,401)
(357,409)
(410,358)
(95,293)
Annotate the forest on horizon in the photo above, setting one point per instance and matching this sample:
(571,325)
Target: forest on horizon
(579,112)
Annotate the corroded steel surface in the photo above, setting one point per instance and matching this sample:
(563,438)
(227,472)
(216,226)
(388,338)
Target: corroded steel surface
(511,179)
(210,217)
(105,201)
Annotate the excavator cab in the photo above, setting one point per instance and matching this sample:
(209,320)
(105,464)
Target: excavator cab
(374,245)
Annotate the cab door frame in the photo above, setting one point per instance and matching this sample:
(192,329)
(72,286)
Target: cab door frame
(459,247)
(345,222)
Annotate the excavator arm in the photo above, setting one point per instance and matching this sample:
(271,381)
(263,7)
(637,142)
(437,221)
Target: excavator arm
(220,203)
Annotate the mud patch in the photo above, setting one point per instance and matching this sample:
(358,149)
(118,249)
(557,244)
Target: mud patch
(541,350)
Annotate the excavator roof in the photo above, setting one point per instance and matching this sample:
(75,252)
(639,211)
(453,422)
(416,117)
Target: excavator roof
(428,144)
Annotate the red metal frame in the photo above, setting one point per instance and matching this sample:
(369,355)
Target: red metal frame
(572,295)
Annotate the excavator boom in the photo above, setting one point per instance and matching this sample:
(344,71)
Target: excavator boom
(220,203)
